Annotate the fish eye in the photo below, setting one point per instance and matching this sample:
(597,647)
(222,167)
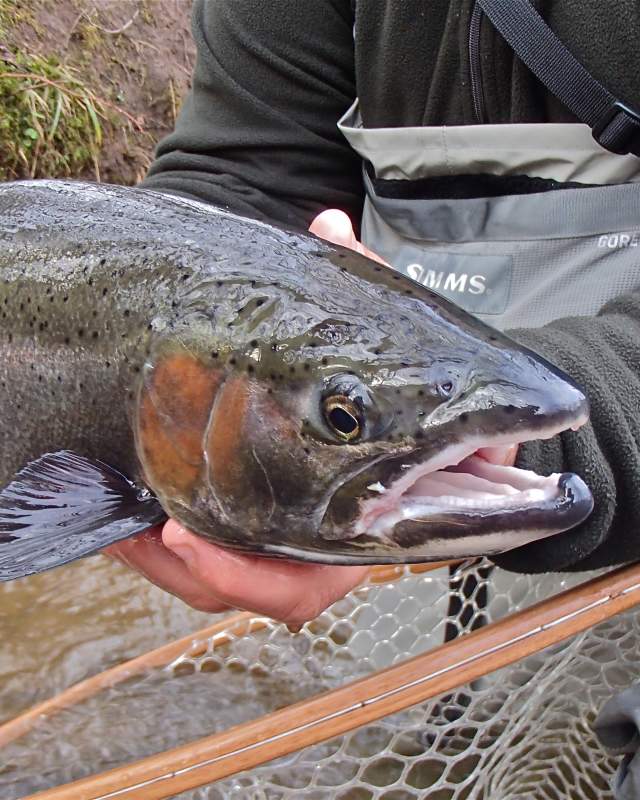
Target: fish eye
(343,417)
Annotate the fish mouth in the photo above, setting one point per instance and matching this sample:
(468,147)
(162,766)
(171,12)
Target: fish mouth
(459,503)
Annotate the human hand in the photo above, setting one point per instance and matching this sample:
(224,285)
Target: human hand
(210,578)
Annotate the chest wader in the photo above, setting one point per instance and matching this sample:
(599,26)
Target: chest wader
(519,224)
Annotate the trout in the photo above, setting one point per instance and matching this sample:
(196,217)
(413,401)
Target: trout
(270,391)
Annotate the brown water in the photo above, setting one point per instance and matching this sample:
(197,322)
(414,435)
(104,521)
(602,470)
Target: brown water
(62,626)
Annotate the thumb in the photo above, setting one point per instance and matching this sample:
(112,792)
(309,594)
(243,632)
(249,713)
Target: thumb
(334,226)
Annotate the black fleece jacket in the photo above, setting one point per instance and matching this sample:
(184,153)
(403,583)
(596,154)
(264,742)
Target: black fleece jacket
(257,134)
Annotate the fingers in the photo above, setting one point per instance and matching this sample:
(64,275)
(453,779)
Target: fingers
(288,591)
(335,226)
(147,555)
(504,456)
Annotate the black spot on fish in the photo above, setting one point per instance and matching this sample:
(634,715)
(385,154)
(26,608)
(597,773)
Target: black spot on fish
(325,361)
(81,332)
(95,334)
(464,418)
(126,312)
(214,354)
(232,361)
(253,343)
(250,368)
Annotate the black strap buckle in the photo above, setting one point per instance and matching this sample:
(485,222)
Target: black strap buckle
(618,130)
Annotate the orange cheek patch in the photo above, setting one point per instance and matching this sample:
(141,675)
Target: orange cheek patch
(225,443)
(173,413)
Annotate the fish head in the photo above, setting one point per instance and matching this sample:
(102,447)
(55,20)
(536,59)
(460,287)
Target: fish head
(350,417)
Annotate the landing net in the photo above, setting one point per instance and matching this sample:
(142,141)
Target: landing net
(520,733)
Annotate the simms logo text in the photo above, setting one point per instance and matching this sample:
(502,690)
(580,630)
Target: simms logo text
(613,241)
(448,281)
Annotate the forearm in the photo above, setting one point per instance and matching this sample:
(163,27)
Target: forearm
(603,355)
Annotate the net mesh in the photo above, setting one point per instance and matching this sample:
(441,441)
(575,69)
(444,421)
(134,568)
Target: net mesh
(521,732)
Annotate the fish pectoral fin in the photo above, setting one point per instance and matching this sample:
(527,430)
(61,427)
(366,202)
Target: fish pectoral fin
(63,506)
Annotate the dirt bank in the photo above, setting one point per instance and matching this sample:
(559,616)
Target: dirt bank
(87,87)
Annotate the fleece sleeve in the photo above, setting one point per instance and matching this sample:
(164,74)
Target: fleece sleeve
(258,132)
(602,354)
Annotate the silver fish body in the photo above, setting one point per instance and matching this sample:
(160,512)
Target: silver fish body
(271,391)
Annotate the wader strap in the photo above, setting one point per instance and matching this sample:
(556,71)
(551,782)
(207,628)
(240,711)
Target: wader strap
(615,125)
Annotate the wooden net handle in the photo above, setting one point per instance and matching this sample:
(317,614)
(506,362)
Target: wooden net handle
(391,690)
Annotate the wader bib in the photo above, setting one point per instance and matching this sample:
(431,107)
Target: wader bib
(514,260)
(518,224)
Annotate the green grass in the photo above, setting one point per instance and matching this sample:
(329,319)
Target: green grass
(51,123)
